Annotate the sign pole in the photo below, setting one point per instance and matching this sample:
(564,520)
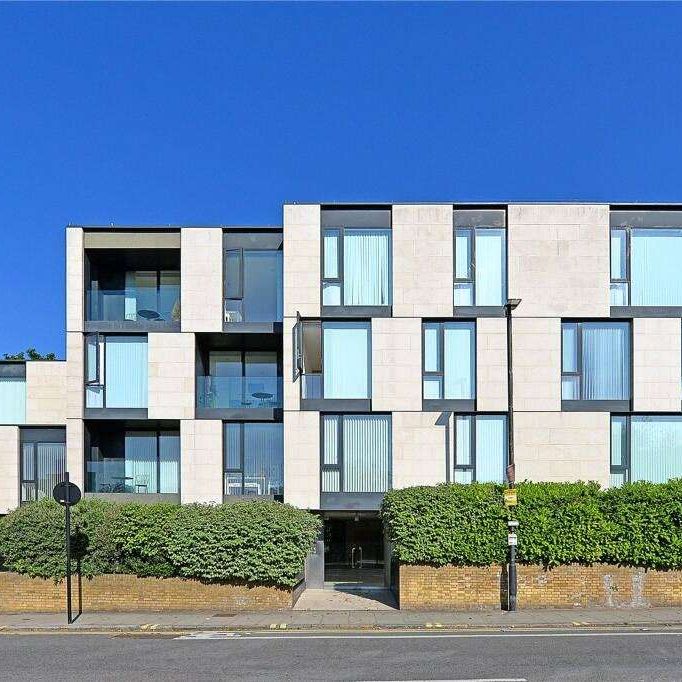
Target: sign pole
(67,509)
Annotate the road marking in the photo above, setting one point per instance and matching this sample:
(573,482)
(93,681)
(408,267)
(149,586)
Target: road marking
(429,635)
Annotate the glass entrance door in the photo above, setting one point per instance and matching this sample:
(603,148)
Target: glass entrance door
(354,552)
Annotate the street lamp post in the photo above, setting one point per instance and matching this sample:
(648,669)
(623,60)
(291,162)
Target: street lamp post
(511,304)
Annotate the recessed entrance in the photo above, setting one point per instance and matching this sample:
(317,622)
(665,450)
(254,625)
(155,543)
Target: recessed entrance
(354,552)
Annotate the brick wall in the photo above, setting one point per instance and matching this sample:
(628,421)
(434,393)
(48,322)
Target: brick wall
(470,588)
(19,594)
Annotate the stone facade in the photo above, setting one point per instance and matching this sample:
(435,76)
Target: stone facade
(302,459)
(491,364)
(201,461)
(46,393)
(472,588)
(171,376)
(21,594)
(9,468)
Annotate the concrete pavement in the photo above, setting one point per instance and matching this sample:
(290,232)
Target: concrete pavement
(350,619)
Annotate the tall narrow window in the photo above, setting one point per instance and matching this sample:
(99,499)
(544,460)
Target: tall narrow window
(646,250)
(254,459)
(356,267)
(646,448)
(356,453)
(595,361)
(480,448)
(43,462)
(480,258)
(116,371)
(12,393)
(449,360)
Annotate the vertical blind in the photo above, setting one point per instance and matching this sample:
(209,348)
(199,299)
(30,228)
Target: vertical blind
(490,275)
(366,267)
(12,400)
(606,361)
(43,466)
(491,448)
(655,257)
(460,351)
(126,371)
(263,459)
(346,360)
(656,448)
(140,461)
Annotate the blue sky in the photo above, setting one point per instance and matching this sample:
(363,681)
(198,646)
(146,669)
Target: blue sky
(218,113)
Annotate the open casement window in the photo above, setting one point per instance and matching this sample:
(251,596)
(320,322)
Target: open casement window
(234,285)
(356,267)
(480,448)
(480,258)
(333,359)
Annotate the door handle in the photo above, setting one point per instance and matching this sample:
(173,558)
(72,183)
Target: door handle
(360,560)
(352,557)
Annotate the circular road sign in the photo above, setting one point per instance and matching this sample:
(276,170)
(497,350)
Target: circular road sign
(59,493)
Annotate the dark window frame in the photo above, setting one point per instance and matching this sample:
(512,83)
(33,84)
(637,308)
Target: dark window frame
(473,417)
(624,469)
(34,443)
(340,454)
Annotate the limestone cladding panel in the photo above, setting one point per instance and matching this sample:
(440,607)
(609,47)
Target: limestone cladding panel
(201,263)
(491,364)
(537,363)
(562,446)
(302,260)
(396,364)
(201,461)
(46,393)
(657,360)
(75,449)
(9,468)
(559,263)
(171,376)
(75,360)
(75,279)
(302,459)
(420,445)
(422,260)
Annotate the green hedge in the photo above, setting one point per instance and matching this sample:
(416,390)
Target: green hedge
(256,542)
(639,524)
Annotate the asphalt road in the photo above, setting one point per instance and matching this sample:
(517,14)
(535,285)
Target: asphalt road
(517,656)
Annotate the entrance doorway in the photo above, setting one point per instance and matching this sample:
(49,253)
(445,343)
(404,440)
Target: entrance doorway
(354,552)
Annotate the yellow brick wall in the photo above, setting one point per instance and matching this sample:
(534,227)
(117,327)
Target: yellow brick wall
(470,588)
(20,594)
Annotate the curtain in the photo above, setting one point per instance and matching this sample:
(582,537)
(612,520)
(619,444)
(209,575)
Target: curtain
(367,267)
(169,461)
(233,458)
(126,371)
(459,340)
(140,462)
(263,459)
(346,361)
(491,448)
(655,258)
(606,361)
(331,254)
(490,267)
(51,465)
(366,453)
(330,456)
(12,400)
(656,448)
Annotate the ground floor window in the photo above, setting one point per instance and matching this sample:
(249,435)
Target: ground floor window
(646,448)
(356,453)
(133,461)
(253,459)
(43,462)
(480,448)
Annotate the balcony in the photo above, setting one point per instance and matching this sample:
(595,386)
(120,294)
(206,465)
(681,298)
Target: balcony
(228,397)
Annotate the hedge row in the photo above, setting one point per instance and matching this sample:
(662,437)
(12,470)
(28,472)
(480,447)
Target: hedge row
(255,542)
(638,524)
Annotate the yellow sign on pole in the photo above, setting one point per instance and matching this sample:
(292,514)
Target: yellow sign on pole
(510,498)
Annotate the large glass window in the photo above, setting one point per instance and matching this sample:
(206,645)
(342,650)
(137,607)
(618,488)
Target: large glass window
(334,359)
(480,258)
(254,459)
(646,250)
(133,461)
(12,393)
(595,361)
(480,448)
(253,285)
(356,453)
(646,448)
(449,360)
(115,371)
(356,267)
(43,462)
(240,379)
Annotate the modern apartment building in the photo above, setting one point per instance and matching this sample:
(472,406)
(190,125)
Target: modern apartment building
(355,349)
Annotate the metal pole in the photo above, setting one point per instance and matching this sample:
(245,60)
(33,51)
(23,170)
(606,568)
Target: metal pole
(511,468)
(67,508)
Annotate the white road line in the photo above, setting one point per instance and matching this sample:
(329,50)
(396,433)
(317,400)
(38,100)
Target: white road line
(304,636)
